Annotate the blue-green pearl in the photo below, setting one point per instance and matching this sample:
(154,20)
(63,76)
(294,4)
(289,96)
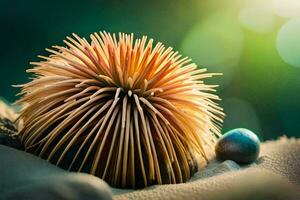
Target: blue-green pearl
(240,145)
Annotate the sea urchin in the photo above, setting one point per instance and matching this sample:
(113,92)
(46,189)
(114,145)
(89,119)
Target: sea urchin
(130,112)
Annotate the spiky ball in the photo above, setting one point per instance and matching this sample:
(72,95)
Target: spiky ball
(125,110)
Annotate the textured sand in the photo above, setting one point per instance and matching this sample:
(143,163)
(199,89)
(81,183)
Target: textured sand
(276,175)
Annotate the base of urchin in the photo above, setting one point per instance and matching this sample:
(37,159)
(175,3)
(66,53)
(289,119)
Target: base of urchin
(139,171)
(168,174)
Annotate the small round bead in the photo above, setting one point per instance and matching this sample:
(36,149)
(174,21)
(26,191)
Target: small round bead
(240,145)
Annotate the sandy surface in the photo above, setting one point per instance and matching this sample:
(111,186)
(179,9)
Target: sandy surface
(275,175)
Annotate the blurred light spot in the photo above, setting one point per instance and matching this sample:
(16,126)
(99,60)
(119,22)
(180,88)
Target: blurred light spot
(240,114)
(288,42)
(216,43)
(257,18)
(287,8)
(288,106)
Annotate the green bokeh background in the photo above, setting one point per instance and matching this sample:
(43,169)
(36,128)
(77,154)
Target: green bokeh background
(259,90)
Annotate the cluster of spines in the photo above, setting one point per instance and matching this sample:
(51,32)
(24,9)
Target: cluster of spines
(122,110)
